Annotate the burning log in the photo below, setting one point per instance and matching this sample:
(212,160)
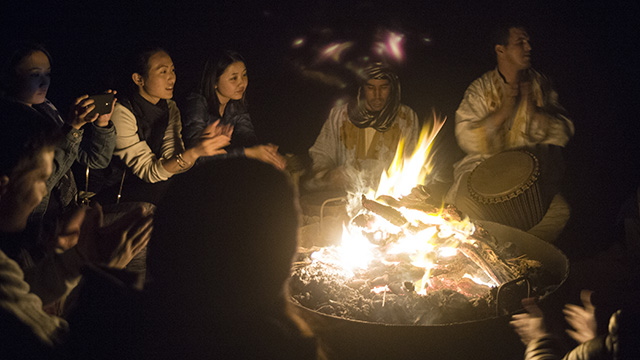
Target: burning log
(386,212)
(472,253)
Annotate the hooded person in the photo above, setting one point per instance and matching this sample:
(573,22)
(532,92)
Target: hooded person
(362,136)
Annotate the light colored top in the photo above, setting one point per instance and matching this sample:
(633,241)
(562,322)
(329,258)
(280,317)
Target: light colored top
(136,153)
(483,98)
(16,299)
(340,143)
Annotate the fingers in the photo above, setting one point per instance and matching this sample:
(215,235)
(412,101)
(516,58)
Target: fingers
(79,99)
(142,234)
(585,297)
(211,129)
(216,143)
(227,130)
(531,307)
(75,220)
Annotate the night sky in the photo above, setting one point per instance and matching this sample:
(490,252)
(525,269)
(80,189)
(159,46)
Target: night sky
(587,49)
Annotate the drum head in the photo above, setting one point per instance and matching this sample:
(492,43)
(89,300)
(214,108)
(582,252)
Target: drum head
(506,174)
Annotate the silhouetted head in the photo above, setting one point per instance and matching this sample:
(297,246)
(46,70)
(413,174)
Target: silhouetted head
(224,236)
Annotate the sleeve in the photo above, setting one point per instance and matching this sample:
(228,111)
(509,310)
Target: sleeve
(64,155)
(135,153)
(96,148)
(543,348)
(195,119)
(473,136)
(324,152)
(55,275)
(16,300)
(172,140)
(561,128)
(244,134)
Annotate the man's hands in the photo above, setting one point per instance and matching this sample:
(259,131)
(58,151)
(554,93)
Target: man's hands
(267,154)
(530,325)
(116,244)
(82,106)
(582,319)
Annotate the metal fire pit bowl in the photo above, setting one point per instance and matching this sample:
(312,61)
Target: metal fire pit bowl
(490,338)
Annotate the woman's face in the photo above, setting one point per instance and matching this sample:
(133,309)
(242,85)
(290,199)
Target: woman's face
(232,83)
(34,77)
(161,77)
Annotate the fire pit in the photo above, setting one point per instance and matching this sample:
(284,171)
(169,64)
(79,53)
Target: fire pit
(487,337)
(407,278)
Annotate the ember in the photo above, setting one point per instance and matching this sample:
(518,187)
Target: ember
(404,260)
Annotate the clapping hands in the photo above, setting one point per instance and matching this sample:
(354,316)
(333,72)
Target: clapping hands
(267,154)
(214,139)
(530,325)
(581,319)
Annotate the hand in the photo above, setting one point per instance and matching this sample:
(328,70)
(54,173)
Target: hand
(70,233)
(80,110)
(530,325)
(267,154)
(214,139)
(581,319)
(116,244)
(103,120)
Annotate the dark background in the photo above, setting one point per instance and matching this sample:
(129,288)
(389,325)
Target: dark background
(588,49)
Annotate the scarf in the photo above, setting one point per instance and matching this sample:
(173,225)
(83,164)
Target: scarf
(379,120)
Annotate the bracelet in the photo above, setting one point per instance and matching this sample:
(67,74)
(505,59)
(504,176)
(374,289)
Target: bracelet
(182,162)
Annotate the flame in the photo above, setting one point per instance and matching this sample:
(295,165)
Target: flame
(403,175)
(426,240)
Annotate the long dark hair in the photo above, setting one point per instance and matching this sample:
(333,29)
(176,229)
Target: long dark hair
(9,81)
(213,68)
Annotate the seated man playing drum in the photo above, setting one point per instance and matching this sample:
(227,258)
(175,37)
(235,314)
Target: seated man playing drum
(511,107)
(362,135)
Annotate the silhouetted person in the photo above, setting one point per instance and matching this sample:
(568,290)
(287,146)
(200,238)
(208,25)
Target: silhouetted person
(217,269)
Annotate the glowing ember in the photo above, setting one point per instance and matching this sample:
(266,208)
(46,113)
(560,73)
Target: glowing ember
(403,249)
(391,231)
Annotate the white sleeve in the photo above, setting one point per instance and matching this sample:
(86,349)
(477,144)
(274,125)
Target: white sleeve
(471,133)
(136,153)
(16,299)
(324,152)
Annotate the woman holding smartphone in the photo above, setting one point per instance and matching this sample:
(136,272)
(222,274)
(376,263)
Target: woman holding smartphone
(149,148)
(26,79)
(220,97)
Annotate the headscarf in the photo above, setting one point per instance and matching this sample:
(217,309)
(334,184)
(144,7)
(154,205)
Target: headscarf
(379,120)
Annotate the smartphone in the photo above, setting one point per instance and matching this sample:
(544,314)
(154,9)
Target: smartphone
(103,104)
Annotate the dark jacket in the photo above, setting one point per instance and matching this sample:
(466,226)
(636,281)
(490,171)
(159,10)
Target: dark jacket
(196,117)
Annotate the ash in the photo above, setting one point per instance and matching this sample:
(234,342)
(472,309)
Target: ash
(324,288)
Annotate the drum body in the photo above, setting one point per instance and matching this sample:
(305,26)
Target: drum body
(507,188)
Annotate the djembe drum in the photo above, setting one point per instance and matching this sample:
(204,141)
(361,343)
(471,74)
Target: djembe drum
(506,188)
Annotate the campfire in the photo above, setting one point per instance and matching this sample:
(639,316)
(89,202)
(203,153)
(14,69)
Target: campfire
(402,259)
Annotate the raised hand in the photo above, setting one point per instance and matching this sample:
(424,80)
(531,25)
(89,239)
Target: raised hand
(214,139)
(116,244)
(103,120)
(267,154)
(581,319)
(78,115)
(82,106)
(530,325)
